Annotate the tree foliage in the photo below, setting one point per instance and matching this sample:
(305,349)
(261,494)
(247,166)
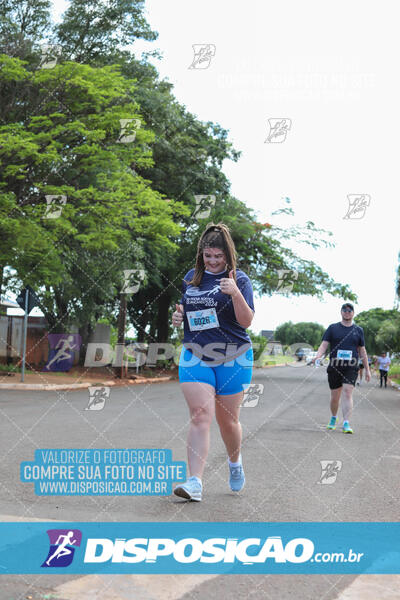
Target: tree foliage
(128,205)
(299,333)
(381,329)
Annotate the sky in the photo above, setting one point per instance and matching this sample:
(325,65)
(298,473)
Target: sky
(329,69)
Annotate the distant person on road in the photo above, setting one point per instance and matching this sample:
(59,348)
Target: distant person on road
(347,345)
(383,362)
(216,362)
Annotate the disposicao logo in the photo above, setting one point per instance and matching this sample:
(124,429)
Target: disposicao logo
(62,547)
(190,550)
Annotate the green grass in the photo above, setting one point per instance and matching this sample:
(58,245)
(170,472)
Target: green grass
(9,369)
(278,359)
(394,371)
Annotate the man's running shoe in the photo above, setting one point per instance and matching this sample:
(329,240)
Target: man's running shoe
(237,478)
(191,490)
(347,428)
(332,423)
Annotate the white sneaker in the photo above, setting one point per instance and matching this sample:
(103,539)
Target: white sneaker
(191,490)
(236,478)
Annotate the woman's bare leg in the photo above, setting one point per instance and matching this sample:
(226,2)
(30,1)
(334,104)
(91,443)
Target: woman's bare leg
(200,398)
(227,409)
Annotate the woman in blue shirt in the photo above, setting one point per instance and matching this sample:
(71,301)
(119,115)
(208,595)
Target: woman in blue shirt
(215,365)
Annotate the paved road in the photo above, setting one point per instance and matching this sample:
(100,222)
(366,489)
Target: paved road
(284,441)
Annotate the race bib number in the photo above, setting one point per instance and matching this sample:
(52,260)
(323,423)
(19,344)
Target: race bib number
(202,319)
(345,354)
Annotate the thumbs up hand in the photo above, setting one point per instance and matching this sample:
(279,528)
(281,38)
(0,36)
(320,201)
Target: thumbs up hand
(228,285)
(177,316)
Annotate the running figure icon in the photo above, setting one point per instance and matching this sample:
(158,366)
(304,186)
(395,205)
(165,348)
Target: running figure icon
(64,346)
(62,549)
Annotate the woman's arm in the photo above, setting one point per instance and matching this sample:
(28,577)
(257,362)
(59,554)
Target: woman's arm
(243,313)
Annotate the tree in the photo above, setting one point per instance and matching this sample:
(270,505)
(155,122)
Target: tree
(66,142)
(372,321)
(398,284)
(92,30)
(60,138)
(388,336)
(188,157)
(299,333)
(21,23)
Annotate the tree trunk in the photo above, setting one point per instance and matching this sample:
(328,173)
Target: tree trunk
(62,323)
(85,331)
(141,324)
(119,370)
(163,318)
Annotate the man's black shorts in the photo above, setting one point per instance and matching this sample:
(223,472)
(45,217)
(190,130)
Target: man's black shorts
(337,376)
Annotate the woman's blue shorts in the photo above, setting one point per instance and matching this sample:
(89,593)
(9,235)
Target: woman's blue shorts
(229,378)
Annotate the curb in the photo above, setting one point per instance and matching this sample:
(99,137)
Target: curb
(51,387)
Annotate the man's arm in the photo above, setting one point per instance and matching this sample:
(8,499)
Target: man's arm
(364,357)
(321,350)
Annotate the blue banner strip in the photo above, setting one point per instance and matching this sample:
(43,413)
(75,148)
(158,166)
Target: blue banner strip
(306,548)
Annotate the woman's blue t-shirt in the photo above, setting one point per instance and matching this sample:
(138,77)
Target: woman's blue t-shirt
(210,317)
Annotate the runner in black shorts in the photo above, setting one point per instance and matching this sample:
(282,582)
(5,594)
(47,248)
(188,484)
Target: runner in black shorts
(346,340)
